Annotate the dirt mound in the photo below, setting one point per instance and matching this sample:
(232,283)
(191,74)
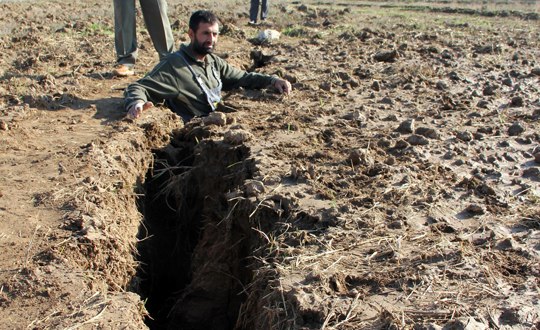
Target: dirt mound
(397,187)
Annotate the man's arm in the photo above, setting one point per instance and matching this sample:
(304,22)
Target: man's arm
(234,78)
(158,85)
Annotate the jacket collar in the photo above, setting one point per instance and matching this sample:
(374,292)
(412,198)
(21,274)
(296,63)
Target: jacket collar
(208,59)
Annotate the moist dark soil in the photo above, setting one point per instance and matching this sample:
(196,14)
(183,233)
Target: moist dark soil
(396,187)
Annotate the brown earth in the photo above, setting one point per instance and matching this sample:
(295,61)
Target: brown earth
(397,187)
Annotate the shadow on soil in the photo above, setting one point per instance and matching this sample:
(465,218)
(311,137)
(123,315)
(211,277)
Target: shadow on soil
(109,109)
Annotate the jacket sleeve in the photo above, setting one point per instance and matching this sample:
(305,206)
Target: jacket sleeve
(158,85)
(234,78)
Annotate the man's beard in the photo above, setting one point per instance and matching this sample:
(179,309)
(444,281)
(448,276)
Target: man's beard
(201,49)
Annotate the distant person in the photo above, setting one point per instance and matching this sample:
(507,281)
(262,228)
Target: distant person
(192,78)
(125,32)
(254,11)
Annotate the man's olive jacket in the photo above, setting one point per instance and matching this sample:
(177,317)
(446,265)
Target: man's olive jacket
(172,80)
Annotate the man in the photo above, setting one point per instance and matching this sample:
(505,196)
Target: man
(254,11)
(125,33)
(191,79)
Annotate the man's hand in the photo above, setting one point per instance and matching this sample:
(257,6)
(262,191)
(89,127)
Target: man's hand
(283,86)
(136,109)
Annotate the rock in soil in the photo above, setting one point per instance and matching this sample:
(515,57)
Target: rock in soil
(465,136)
(236,137)
(361,157)
(407,126)
(215,118)
(517,101)
(476,208)
(516,128)
(417,140)
(385,56)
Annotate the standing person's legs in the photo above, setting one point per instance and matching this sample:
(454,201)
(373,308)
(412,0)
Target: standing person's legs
(254,10)
(158,26)
(125,33)
(264,9)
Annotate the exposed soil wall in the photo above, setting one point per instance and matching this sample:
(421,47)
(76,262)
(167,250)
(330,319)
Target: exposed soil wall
(196,259)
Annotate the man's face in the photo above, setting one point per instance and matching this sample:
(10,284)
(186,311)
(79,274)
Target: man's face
(204,40)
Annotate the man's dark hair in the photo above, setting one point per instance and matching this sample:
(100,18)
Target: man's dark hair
(203,16)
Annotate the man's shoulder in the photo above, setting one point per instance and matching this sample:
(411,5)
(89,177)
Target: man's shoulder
(172,61)
(172,57)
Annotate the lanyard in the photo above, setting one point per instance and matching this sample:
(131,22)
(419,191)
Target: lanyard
(213,96)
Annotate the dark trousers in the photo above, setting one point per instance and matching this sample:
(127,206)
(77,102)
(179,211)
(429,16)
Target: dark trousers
(254,10)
